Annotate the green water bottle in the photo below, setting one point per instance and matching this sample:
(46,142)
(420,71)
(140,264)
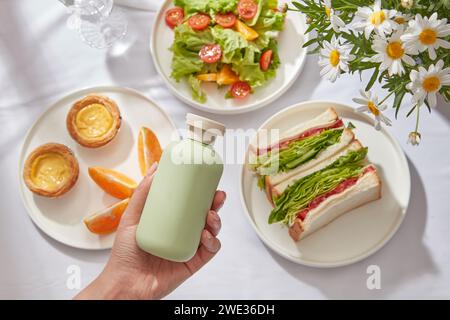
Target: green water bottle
(182,193)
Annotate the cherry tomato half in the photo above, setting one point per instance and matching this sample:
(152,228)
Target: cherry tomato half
(247,9)
(210,53)
(199,22)
(174,17)
(240,90)
(266,59)
(226,20)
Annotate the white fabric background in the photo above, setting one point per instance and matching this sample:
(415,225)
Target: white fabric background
(41,60)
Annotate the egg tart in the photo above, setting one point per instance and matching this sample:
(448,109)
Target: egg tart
(51,170)
(93,121)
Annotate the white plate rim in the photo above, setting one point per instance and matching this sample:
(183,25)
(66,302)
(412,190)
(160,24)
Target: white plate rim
(205,107)
(22,154)
(274,247)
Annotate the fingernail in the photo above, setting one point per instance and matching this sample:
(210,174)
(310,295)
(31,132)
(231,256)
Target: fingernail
(152,168)
(208,236)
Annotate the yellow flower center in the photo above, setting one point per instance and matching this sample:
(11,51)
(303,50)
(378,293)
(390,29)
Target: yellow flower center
(400,20)
(377,18)
(373,108)
(328,12)
(334,58)
(395,50)
(428,37)
(431,84)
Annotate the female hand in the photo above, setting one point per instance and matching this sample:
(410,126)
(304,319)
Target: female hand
(134,274)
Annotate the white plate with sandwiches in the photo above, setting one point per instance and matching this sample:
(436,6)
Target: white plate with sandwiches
(333,188)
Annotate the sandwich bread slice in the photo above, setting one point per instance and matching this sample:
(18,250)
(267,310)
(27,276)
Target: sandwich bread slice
(314,198)
(366,189)
(327,120)
(299,149)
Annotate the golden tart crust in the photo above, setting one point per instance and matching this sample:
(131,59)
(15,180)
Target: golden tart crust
(51,170)
(94,121)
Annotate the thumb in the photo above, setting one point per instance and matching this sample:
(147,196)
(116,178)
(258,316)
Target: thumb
(134,210)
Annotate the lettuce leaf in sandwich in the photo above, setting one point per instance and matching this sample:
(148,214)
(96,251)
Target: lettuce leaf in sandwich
(297,152)
(298,195)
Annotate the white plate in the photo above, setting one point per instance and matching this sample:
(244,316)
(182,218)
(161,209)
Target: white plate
(292,56)
(355,235)
(61,218)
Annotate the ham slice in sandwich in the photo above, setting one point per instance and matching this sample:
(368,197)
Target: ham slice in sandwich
(298,149)
(327,120)
(315,197)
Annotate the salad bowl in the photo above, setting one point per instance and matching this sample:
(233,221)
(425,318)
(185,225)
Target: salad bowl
(291,54)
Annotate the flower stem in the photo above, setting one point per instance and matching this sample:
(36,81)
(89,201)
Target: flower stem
(418,118)
(387,97)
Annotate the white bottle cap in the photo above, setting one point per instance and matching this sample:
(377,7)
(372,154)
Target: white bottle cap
(203,129)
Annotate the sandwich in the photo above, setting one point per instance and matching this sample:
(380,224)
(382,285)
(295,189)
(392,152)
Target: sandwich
(316,197)
(299,149)
(314,173)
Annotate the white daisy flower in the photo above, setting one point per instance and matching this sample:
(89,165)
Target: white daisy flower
(335,22)
(334,58)
(426,83)
(426,33)
(369,19)
(369,103)
(402,18)
(391,53)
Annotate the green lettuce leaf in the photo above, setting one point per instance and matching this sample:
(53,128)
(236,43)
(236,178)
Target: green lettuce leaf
(244,56)
(248,67)
(185,50)
(192,6)
(298,195)
(270,20)
(260,4)
(298,152)
(231,42)
(272,4)
(197,92)
(276,62)
(262,182)
(223,6)
(206,6)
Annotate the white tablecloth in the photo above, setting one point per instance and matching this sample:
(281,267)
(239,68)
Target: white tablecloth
(41,60)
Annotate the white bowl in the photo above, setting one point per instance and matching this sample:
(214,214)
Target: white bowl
(291,52)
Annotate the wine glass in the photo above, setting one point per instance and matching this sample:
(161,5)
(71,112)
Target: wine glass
(98,22)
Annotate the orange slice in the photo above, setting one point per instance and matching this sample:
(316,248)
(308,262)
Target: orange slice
(112,182)
(227,76)
(207,77)
(149,149)
(246,32)
(107,220)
